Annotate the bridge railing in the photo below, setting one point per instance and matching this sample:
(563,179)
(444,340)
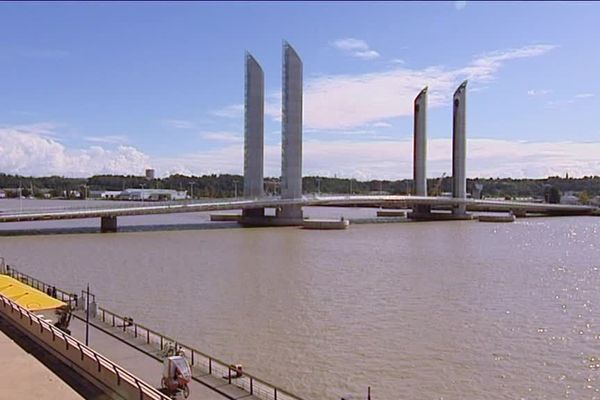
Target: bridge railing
(124,204)
(200,362)
(95,206)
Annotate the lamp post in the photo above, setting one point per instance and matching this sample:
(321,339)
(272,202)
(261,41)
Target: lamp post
(319,186)
(235,188)
(142,193)
(87,315)
(20,197)
(192,190)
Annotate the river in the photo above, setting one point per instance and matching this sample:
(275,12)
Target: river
(432,310)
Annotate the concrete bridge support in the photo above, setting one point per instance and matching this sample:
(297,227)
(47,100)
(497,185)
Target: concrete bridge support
(108,224)
(291,140)
(254,105)
(459,148)
(420,153)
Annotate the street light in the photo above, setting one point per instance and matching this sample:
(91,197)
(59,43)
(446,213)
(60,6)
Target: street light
(192,189)
(20,197)
(319,186)
(235,188)
(142,192)
(85,194)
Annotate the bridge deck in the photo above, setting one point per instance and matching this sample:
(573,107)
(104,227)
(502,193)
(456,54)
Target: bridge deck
(274,202)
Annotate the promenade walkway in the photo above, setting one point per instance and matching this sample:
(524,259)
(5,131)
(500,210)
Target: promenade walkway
(25,377)
(136,362)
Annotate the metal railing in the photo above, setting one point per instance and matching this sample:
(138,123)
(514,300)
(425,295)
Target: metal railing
(144,388)
(202,364)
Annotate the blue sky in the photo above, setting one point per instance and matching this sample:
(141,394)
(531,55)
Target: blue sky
(117,87)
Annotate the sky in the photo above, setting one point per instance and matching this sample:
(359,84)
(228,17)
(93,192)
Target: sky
(114,88)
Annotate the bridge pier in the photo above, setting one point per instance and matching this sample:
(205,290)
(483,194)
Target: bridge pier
(108,224)
(291,132)
(291,143)
(420,211)
(459,148)
(254,105)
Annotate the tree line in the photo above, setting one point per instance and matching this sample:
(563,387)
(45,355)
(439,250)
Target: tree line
(228,185)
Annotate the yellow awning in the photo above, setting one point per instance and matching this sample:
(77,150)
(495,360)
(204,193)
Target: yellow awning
(27,296)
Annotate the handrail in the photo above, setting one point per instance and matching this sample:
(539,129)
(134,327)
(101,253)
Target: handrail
(214,366)
(145,388)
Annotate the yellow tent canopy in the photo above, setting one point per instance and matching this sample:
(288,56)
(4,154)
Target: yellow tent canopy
(26,296)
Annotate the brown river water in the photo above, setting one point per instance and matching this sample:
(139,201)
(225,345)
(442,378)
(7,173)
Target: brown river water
(433,310)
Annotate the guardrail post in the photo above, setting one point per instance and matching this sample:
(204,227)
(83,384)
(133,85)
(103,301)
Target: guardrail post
(229,374)
(275,393)
(251,386)
(80,349)
(209,365)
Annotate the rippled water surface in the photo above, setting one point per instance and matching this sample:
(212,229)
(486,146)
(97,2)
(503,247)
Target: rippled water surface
(452,310)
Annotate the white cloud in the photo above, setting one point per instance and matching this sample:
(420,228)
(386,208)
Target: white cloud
(34,152)
(346,101)
(541,92)
(109,139)
(382,124)
(397,61)
(230,137)
(356,48)
(354,101)
(232,111)
(460,4)
(392,159)
(178,124)
(572,100)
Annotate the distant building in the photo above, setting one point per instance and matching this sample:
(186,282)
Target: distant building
(569,198)
(105,194)
(152,194)
(150,173)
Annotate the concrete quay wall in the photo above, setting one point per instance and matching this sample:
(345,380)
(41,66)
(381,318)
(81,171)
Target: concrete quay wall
(97,369)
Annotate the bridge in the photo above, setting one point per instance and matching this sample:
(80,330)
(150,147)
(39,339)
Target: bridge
(289,204)
(108,215)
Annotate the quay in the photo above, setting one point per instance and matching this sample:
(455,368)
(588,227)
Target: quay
(126,359)
(23,376)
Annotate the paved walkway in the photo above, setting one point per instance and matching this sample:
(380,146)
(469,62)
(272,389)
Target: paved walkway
(25,377)
(136,362)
